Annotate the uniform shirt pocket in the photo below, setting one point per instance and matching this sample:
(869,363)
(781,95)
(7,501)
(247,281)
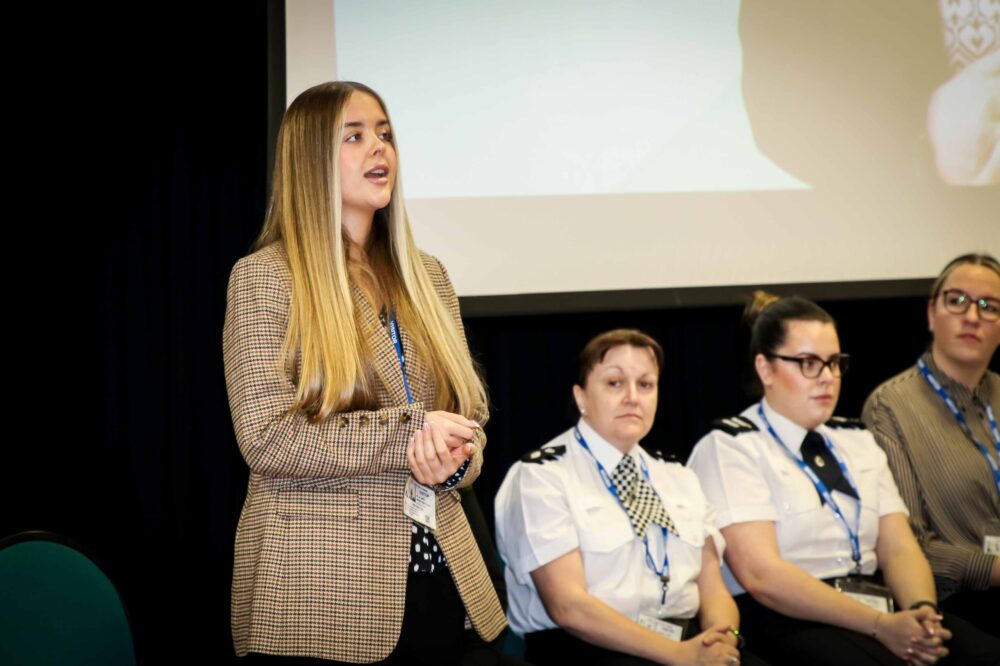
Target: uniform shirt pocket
(793,490)
(685,547)
(689,523)
(865,475)
(603,527)
(800,518)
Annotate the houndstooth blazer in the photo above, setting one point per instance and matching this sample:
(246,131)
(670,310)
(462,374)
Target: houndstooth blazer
(322,542)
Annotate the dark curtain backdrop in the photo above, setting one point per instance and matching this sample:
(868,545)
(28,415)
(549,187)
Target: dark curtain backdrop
(530,366)
(141,179)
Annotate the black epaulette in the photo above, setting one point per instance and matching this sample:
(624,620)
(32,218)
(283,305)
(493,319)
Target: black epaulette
(844,423)
(545,453)
(665,457)
(734,425)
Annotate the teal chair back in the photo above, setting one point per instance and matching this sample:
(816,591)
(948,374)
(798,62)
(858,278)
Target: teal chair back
(58,607)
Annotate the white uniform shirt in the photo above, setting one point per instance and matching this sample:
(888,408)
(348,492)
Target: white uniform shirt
(549,508)
(749,477)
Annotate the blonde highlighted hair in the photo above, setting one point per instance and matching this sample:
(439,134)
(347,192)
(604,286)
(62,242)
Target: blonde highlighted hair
(325,350)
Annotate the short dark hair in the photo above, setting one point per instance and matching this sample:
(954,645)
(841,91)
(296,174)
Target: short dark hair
(973,258)
(598,347)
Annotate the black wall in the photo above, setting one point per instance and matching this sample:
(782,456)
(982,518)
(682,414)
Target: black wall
(137,143)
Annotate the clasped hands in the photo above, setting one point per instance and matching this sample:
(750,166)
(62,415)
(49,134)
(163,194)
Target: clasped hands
(915,636)
(437,450)
(716,646)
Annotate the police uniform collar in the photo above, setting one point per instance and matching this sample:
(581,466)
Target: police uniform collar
(791,433)
(605,452)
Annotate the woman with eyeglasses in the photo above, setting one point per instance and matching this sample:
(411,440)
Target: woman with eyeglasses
(937,422)
(820,558)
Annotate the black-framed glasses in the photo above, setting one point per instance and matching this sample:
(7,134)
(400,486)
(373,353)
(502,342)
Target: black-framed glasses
(812,366)
(957,301)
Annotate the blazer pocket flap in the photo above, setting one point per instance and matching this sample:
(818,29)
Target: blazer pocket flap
(308,504)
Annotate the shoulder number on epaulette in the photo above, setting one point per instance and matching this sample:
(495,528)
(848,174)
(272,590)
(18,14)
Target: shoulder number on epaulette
(844,422)
(545,453)
(665,457)
(734,425)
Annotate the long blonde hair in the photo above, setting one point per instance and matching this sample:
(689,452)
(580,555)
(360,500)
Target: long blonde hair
(325,351)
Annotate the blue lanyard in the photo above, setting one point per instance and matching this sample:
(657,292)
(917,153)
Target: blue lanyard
(823,490)
(960,417)
(663,573)
(398,344)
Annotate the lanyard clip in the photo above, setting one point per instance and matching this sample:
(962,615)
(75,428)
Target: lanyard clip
(665,581)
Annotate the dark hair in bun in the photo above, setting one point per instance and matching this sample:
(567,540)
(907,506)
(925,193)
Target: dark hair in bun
(766,315)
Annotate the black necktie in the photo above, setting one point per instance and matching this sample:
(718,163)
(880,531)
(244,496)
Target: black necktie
(820,460)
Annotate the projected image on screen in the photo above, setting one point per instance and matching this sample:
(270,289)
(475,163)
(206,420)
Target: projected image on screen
(589,146)
(865,92)
(559,97)
(570,97)
(964,117)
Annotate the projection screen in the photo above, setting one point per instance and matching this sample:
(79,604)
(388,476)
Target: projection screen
(557,146)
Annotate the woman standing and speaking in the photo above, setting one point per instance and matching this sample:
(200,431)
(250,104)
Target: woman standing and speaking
(357,408)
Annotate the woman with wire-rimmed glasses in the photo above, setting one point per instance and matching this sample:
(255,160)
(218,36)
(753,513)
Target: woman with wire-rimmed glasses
(820,558)
(937,422)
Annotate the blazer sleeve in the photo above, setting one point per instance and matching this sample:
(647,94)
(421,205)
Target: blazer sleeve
(445,290)
(274,440)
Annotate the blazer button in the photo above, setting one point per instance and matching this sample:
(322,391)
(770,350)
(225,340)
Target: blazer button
(343,422)
(404,418)
(383,419)
(363,421)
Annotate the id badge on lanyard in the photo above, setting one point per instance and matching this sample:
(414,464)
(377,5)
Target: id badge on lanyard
(870,594)
(673,628)
(991,538)
(419,501)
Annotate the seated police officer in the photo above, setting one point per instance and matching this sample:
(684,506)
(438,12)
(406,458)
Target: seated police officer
(612,556)
(827,571)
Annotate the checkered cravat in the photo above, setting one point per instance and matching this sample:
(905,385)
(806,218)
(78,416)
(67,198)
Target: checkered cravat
(641,502)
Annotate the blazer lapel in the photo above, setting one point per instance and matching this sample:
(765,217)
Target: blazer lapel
(377,338)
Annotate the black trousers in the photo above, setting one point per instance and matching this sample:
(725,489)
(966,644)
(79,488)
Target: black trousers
(433,627)
(977,607)
(785,641)
(480,653)
(556,647)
